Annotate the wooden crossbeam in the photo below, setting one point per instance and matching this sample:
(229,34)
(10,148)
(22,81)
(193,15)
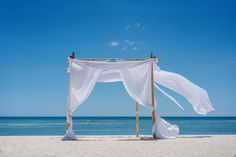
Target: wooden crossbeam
(103,59)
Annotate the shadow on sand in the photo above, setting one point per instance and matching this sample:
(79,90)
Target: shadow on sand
(133,139)
(195,136)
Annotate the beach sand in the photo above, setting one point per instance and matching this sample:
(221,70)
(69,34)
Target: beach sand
(118,146)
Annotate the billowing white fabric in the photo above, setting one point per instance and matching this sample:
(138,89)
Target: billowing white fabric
(136,77)
(195,95)
(163,130)
(82,82)
(137,82)
(168,96)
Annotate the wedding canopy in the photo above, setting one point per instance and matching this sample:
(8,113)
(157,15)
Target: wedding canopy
(139,76)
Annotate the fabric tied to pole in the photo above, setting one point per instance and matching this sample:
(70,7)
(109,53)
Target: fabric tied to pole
(70,135)
(164,130)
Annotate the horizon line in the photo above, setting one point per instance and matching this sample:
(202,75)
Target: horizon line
(121,116)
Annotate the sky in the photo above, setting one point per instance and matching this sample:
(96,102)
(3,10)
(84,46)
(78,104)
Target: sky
(195,38)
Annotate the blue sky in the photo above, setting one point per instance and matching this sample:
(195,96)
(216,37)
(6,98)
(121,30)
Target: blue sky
(196,38)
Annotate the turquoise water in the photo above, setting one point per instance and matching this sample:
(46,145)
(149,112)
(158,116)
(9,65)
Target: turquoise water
(112,125)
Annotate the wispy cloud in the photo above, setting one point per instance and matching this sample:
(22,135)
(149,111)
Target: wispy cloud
(135,25)
(114,43)
(130,43)
(133,45)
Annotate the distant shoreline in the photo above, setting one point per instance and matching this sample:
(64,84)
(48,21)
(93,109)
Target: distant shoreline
(207,116)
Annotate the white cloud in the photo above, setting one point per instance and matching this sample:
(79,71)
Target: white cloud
(130,43)
(133,45)
(131,26)
(114,43)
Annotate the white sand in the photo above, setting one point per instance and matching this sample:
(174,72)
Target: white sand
(118,146)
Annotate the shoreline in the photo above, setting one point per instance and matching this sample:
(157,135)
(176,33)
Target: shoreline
(118,146)
(118,136)
(164,116)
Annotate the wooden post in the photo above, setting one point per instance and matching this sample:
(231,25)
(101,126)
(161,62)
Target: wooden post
(72,55)
(69,116)
(137,120)
(153,97)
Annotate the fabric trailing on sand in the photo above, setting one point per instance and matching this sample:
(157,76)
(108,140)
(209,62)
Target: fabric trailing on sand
(136,78)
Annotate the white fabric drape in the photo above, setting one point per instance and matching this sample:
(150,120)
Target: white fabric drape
(195,95)
(168,96)
(85,74)
(136,77)
(82,82)
(164,130)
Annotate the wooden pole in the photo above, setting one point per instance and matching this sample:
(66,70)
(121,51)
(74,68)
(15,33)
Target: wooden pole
(73,55)
(153,98)
(68,124)
(137,120)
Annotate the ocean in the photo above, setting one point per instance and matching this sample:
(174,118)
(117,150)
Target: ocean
(19,126)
